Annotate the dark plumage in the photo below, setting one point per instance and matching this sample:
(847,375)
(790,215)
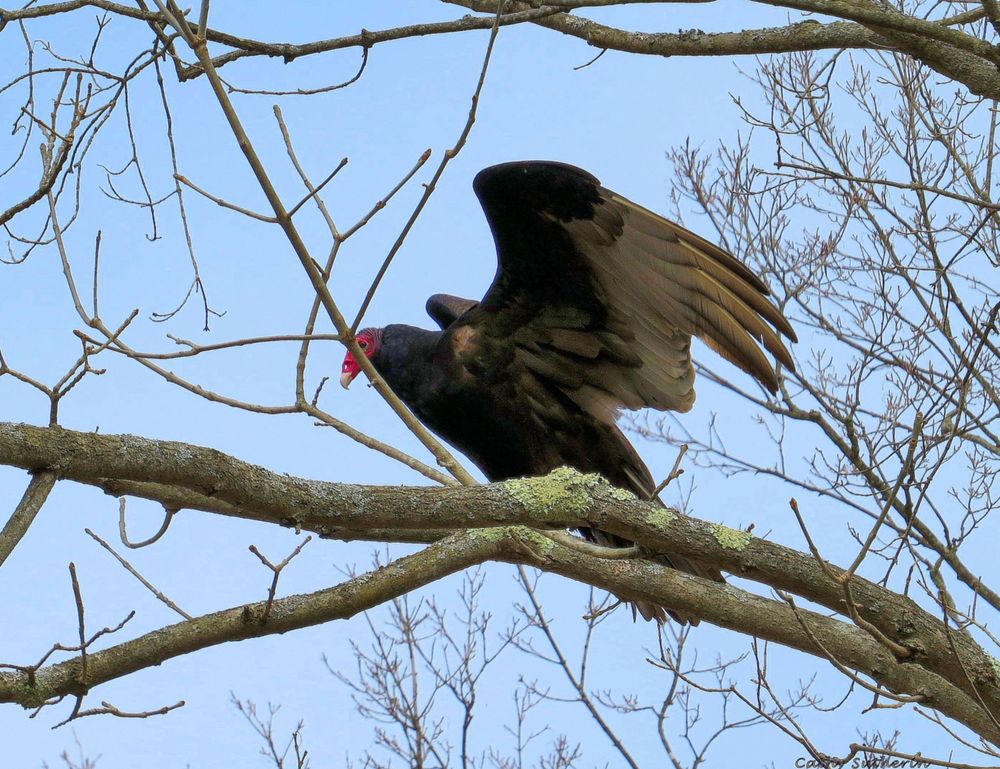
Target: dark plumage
(592,310)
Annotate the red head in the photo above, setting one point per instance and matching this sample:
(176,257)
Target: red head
(369,340)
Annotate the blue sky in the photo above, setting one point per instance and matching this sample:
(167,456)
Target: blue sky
(616,118)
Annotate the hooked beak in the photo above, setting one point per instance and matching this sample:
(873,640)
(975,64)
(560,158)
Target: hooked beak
(346,378)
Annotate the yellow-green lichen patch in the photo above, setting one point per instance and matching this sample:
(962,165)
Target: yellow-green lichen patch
(622,495)
(493,534)
(996,666)
(563,495)
(659,517)
(732,539)
(30,696)
(597,482)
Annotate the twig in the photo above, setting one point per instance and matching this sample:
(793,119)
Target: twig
(277,573)
(905,469)
(877,690)
(108,709)
(384,201)
(81,676)
(225,203)
(168,516)
(149,586)
(197,349)
(316,190)
(582,546)
(675,472)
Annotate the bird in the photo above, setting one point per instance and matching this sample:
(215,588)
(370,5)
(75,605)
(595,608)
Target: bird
(591,311)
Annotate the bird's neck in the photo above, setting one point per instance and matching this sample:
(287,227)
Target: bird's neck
(406,360)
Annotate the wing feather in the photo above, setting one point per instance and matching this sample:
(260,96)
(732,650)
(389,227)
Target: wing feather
(601,297)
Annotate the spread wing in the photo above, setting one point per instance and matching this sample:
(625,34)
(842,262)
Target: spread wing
(599,297)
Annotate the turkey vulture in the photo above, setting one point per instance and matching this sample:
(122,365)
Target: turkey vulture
(592,310)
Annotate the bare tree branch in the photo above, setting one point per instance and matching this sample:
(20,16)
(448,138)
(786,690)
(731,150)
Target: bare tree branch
(24,514)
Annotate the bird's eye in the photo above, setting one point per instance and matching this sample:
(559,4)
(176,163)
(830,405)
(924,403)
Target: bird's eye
(363,344)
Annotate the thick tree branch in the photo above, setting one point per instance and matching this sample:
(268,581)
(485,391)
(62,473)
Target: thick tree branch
(178,474)
(721,604)
(951,51)
(179,498)
(884,18)
(801,36)
(943,44)
(365,39)
(341,602)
